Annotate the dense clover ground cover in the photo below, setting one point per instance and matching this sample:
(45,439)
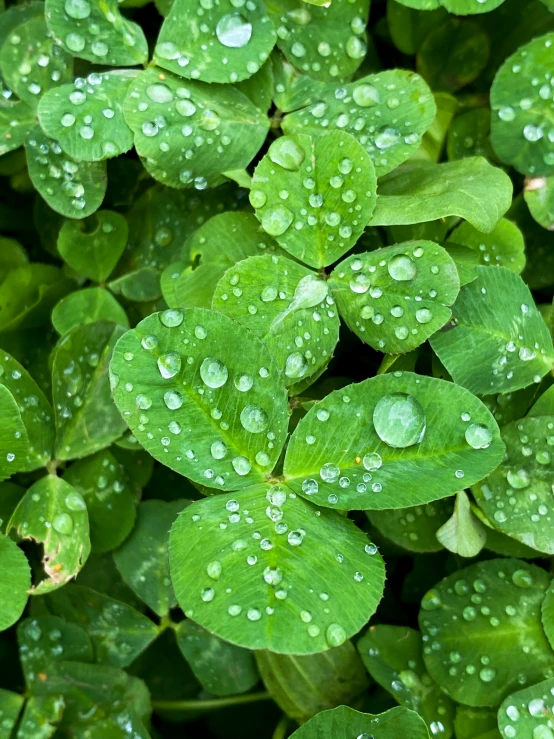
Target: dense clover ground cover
(276,394)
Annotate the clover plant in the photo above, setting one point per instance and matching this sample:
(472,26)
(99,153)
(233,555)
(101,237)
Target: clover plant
(276,388)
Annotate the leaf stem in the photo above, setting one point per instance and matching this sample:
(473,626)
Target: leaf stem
(211,703)
(281,728)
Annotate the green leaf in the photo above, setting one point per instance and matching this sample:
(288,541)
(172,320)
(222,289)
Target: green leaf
(517,496)
(101,701)
(49,639)
(74,189)
(469,188)
(40,717)
(548,614)
(92,247)
(398,723)
(221,668)
(539,266)
(142,559)
(110,500)
(293,89)
(286,306)
(12,255)
(528,712)
(421,4)
(177,375)
(302,686)
(522,111)
(453,55)
(16,581)
(463,533)
(31,63)
(395,298)
(325,42)
(87,306)
(314,195)
(469,135)
(86,418)
(10,707)
(95,30)
(413,528)
(191,282)
(469,7)
(16,120)
(282,589)
(387,112)
(539,196)
(14,442)
(142,286)
(230,43)
(393,658)
(351,450)
(54,514)
(498,341)
(86,117)
(171,117)
(28,294)
(36,412)
(503,247)
(484,619)
(465,260)
(434,138)
(118,632)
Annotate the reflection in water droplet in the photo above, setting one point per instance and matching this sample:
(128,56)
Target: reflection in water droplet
(254,419)
(287,153)
(335,635)
(275,221)
(169,364)
(366,96)
(399,420)
(296,365)
(478,436)
(401,268)
(213,372)
(233,31)
(63,523)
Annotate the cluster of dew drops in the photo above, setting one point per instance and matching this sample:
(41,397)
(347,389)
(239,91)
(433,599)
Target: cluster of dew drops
(532,132)
(214,375)
(232,31)
(77,97)
(358,110)
(56,61)
(399,420)
(402,269)
(475,592)
(277,219)
(64,174)
(78,10)
(273,576)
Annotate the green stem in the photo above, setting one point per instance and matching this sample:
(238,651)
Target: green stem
(212,703)
(281,728)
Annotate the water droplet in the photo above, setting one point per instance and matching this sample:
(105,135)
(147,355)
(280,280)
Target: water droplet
(329,472)
(372,461)
(169,364)
(287,153)
(399,420)
(522,578)
(159,93)
(213,569)
(77,9)
(75,501)
(275,221)
(518,479)
(243,383)
(233,31)
(63,523)
(335,635)
(254,419)
(366,96)
(401,268)
(173,400)
(296,365)
(213,372)
(218,450)
(310,486)
(431,601)
(241,465)
(478,436)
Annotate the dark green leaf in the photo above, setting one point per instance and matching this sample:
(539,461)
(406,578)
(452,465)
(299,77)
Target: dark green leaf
(87,306)
(142,559)
(484,621)
(469,135)
(10,707)
(282,589)
(40,717)
(414,529)
(86,418)
(221,668)
(302,686)
(528,712)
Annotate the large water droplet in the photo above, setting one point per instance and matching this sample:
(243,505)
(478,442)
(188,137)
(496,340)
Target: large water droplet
(366,96)
(296,365)
(335,635)
(287,153)
(63,523)
(77,9)
(401,268)
(254,419)
(213,372)
(233,31)
(169,364)
(518,479)
(399,420)
(478,436)
(75,501)
(275,221)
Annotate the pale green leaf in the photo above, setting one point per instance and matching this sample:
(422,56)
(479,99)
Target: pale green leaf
(230,44)
(469,188)
(393,441)
(170,117)
(95,30)
(498,341)
(398,723)
(463,533)
(306,582)
(387,112)
(16,120)
(86,117)
(54,514)
(14,442)
(286,306)
(395,298)
(314,195)
(503,247)
(539,196)
(28,294)
(197,405)
(486,619)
